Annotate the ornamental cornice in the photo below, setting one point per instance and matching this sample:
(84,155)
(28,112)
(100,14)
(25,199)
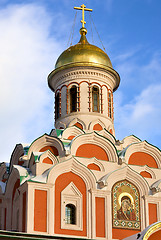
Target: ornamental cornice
(100,193)
(95,75)
(82,66)
(82,73)
(152,198)
(125,173)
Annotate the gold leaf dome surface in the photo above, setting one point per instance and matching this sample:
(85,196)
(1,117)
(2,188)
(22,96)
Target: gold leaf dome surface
(81,55)
(85,53)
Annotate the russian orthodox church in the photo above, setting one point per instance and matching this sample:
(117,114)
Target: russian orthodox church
(79,181)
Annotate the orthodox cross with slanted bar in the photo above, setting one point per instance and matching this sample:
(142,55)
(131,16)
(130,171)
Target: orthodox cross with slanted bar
(83,8)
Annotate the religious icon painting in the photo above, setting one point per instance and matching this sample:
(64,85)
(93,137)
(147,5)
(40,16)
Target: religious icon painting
(126,206)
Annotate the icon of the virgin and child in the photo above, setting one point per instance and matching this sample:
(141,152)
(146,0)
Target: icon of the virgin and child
(126,210)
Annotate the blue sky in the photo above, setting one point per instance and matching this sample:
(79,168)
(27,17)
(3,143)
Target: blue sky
(34,33)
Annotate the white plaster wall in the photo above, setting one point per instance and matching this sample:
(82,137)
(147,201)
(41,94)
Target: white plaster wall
(84,97)
(105,100)
(63,101)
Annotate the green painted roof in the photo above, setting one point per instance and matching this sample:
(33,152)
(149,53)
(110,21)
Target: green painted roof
(4,235)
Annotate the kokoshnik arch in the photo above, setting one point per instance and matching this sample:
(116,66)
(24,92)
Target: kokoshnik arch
(79,181)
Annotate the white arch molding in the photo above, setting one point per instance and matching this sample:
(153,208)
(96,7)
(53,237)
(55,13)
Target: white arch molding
(74,166)
(144,147)
(95,138)
(45,141)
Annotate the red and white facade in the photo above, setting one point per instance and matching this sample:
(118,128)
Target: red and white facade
(73,182)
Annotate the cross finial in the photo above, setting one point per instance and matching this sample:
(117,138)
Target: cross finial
(83,8)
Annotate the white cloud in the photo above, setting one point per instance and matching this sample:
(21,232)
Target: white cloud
(142,116)
(138,100)
(27,55)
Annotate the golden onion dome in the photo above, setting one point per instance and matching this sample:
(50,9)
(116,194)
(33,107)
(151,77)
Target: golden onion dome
(83,52)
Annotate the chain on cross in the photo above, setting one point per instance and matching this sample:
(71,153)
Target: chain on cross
(83,8)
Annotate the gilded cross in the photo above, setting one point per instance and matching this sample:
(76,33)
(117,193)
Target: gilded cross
(83,8)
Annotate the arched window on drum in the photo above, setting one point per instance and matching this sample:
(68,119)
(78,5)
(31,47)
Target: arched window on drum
(57,105)
(110,105)
(73,99)
(95,99)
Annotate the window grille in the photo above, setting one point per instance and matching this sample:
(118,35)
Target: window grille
(95,99)
(70,214)
(109,105)
(57,105)
(73,99)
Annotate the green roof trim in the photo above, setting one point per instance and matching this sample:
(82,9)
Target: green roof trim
(22,178)
(122,152)
(109,133)
(36,181)
(153,145)
(66,143)
(36,157)
(26,149)
(59,132)
(132,135)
